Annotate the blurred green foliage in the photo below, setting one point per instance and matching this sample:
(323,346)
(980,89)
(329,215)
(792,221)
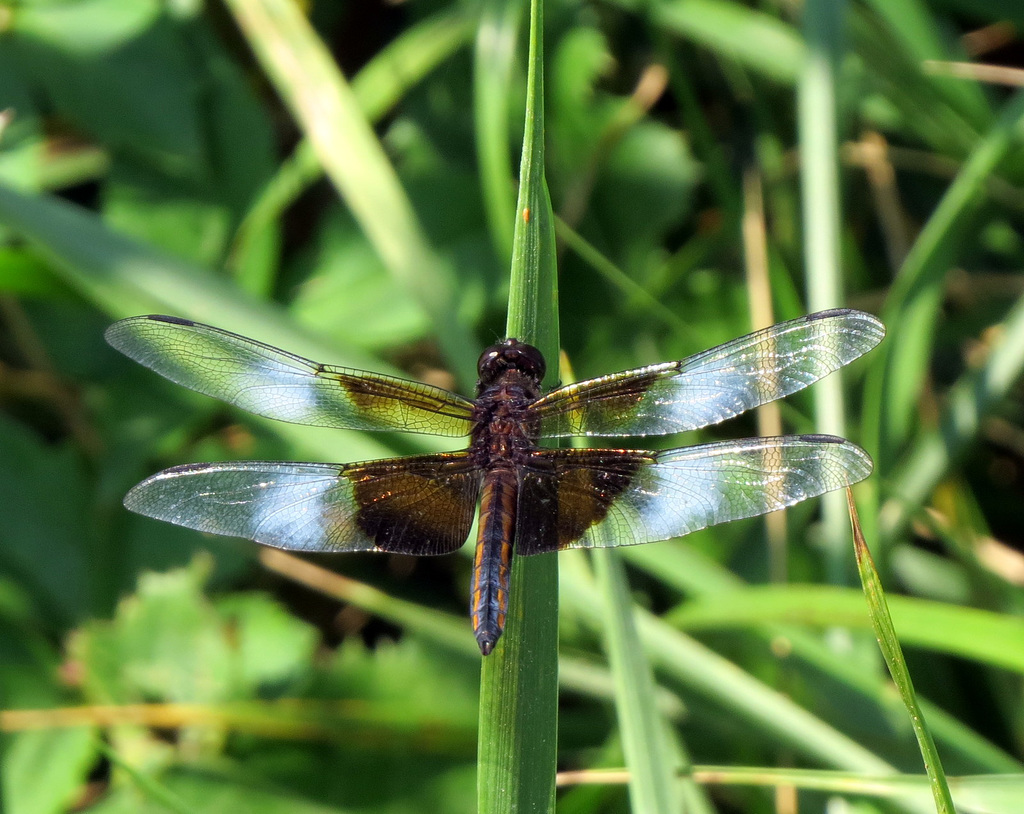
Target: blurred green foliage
(149,164)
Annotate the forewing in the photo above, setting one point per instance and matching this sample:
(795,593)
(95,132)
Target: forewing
(714,385)
(600,498)
(273,383)
(417,505)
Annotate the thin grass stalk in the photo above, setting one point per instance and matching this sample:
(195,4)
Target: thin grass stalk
(987,793)
(654,767)
(519,679)
(819,181)
(878,610)
(494,57)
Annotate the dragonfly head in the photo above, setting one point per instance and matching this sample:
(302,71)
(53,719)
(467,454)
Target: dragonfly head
(510,355)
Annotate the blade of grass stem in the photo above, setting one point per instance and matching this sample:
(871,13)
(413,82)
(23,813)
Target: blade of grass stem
(989,793)
(893,654)
(819,184)
(494,58)
(615,276)
(654,783)
(404,62)
(519,679)
(992,638)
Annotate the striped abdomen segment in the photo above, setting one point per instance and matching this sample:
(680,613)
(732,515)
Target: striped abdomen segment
(497,528)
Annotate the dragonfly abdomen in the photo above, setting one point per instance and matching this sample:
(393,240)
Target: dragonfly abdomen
(493,555)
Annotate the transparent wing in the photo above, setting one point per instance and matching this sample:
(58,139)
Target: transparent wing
(417,505)
(714,385)
(591,498)
(273,383)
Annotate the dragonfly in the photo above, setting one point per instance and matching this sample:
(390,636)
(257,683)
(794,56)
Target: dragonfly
(532,499)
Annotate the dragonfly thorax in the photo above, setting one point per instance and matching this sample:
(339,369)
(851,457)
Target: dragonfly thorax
(505,430)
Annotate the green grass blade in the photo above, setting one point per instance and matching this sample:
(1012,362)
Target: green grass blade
(519,690)
(983,793)
(890,646)
(992,794)
(307,78)
(616,277)
(822,214)
(993,638)
(385,79)
(494,58)
(653,767)
(533,295)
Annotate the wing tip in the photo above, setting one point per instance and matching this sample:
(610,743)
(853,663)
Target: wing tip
(857,464)
(135,499)
(822,438)
(867,323)
(117,331)
(188,323)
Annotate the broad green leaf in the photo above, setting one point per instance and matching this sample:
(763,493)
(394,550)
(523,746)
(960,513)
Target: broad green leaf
(45,770)
(91,59)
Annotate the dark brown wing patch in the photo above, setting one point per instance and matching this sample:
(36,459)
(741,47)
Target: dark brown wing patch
(564,492)
(602,405)
(418,505)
